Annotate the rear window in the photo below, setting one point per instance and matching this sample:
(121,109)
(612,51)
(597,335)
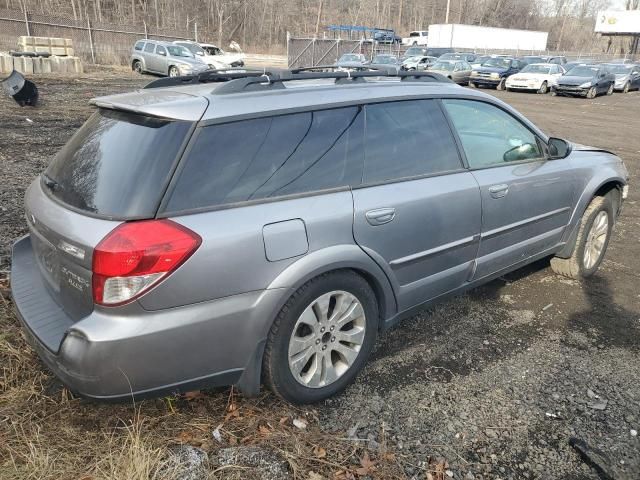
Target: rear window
(117,164)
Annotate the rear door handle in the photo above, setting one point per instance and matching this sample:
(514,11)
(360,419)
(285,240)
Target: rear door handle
(380,216)
(499,191)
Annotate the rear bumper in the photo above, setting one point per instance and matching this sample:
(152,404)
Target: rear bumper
(117,353)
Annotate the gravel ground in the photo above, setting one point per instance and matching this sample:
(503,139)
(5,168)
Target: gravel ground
(496,382)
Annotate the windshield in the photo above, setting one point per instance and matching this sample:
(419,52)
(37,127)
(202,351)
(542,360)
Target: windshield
(384,59)
(583,71)
(117,164)
(414,51)
(481,60)
(534,59)
(349,57)
(497,62)
(447,66)
(620,69)
(178,51)
(536,69)
(193,48)
(454,56)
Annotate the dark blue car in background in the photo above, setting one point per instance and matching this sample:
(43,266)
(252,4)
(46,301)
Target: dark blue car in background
(494,72)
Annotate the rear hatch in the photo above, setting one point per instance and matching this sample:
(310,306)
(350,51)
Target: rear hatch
(115,168)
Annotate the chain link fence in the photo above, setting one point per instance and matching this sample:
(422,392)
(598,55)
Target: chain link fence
(311,52)
(94,42)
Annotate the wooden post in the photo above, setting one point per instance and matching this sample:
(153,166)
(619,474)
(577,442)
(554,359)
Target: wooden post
(93,54)
(26,21)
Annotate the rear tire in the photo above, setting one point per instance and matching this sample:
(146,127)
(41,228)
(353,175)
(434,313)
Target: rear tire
(543,88)
(308,329)
(591,242)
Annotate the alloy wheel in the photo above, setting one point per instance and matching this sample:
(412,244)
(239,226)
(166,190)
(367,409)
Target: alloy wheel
(326,339)
(626,88)
(596,240)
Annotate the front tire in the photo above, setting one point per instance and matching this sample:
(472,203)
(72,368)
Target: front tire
(626,88)
(173,71)
(472,85)
(610,90)
(321,338)
(137,66)
(593,238)
(501,85)
(543,88)
(592,93)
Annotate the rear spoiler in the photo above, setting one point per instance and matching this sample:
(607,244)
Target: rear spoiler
(161,104)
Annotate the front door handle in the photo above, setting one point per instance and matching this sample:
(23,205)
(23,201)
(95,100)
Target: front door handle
(499,191)
(380,216)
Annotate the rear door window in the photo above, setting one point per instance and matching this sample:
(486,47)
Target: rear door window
(407,139)
(270,157)
(117,165)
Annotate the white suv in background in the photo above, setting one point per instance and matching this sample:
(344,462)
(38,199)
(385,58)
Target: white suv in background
(419,37)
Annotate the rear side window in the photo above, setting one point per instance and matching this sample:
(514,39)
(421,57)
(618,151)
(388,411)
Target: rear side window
(406,139)
(269,157)
(149,47)
(139,45)
(117,164)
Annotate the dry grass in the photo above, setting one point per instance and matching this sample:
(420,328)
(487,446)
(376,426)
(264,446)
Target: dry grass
(46,433)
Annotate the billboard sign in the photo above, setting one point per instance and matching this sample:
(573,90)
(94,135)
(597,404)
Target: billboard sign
(618,22)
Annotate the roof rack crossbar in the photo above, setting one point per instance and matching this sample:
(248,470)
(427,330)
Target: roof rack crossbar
(275,80)
(209,76)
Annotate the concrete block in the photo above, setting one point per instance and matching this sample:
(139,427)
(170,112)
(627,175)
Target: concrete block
(78,67)
(6,63)
(27,65)
(37,65)
(57,42)
(46,65)
(59,51)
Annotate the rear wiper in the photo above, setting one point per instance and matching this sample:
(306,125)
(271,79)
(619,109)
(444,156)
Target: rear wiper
(50,183)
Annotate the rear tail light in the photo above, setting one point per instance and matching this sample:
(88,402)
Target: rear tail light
(136,256)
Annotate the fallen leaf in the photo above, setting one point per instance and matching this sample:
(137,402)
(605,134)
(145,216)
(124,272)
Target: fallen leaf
(283,420)
(194,395)
(368,465)
(319,452)
(265,431)
(390,457)
(300,423)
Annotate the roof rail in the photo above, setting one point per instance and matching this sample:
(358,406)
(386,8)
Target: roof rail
(209,76)
(275,80)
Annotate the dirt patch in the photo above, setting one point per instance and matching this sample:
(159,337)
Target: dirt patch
(492,384)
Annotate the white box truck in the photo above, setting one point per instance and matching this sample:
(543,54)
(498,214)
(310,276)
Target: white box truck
(473,37)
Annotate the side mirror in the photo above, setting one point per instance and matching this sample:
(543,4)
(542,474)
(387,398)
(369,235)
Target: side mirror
(558,148)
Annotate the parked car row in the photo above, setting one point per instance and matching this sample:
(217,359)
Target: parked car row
(181,57)
(539,73)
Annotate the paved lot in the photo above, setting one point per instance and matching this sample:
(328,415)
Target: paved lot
(497,381)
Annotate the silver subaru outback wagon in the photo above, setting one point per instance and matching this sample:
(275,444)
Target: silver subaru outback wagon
(237,229)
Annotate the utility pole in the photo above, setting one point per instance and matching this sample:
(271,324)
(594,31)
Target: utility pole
(446,18)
